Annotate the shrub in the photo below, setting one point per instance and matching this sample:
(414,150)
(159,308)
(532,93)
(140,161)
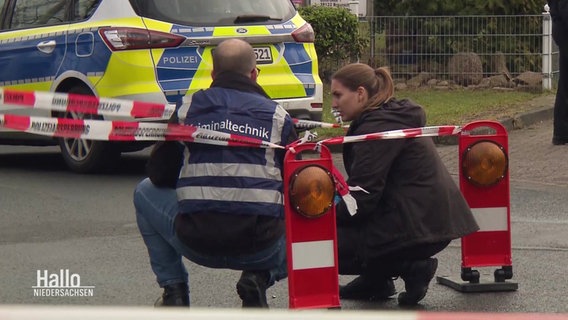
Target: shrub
(337,35)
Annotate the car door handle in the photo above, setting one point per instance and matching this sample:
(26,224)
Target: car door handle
(46,46)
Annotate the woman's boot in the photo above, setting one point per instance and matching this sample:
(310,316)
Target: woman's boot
(417,276)
(368,287)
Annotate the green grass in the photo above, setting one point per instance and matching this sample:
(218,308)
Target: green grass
(457,107)
(452,107)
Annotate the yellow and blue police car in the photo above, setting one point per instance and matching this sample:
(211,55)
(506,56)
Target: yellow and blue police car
(148,50)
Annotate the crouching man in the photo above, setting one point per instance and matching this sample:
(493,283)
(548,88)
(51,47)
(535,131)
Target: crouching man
(220,207)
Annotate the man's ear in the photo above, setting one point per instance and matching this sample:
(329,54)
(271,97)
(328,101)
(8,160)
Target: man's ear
(254,74)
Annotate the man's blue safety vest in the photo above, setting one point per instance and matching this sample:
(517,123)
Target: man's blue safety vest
(237,180)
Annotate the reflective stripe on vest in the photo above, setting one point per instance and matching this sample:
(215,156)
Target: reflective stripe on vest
(231,194)
(230,170)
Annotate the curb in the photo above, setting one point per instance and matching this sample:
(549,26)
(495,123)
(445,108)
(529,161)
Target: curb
(516,122)
(527,119)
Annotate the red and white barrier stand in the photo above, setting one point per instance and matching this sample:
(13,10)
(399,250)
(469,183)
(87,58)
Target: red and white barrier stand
(313,279)
(484,182)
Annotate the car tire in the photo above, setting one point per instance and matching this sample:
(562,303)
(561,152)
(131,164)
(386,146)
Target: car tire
(87,156)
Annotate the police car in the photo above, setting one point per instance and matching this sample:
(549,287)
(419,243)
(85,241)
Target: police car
(148,50)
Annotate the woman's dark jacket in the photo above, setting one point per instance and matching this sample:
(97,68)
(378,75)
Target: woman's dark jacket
(411,200)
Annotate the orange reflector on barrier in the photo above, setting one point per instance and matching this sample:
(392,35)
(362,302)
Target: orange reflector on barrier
(484,163)
(311,191)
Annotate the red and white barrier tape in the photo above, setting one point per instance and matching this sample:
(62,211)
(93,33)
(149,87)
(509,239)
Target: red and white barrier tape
(435,131)
(86,104)
(148,131)
(144,131)
(70,102)
(126,131)
(308,124)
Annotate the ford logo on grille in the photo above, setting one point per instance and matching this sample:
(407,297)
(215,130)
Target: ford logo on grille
(242,30)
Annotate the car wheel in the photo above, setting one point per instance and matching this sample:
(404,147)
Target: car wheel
(87,156)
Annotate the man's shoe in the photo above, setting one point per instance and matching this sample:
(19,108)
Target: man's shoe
(366,287)
(252,289)
(175,295)
(417,276)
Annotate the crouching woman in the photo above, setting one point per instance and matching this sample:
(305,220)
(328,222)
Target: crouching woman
(409,207)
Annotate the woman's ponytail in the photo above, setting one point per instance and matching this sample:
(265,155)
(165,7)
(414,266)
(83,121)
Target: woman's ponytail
(384,88)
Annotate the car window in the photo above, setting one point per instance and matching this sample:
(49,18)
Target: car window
(36,13)
(216,12)
(84,8)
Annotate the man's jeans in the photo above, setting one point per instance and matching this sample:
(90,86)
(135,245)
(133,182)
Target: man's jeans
(156,209)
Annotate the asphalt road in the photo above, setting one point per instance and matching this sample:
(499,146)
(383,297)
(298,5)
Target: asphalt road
(51,219)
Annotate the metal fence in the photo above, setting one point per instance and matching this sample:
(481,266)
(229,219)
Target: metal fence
(463,49)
